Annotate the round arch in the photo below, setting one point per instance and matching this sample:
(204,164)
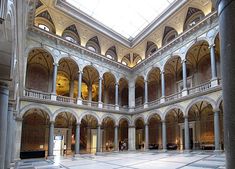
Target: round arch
(109,116)
(205,98)
(125,118)
(36,106)
(181,108)
(153,113)
(61,110)
(89,113)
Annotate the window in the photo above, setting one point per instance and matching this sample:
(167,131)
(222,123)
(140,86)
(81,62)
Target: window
(44,27)
(124,63)
(138,61)
(109,56)
(69,38)
(91,48)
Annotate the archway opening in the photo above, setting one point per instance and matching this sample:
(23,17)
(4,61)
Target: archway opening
(123,134)
(155,132)
(107,127)
(139,134)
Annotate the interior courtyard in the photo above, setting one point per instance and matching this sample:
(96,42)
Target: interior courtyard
(76,92)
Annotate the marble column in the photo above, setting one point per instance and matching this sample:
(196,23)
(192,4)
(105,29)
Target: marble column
(163,86)
(217,130)
(116,143)
(77,139)
(164,136)
(131,94)
(146,93)
(4,94)
(213,62)
(184,67)
(79,100)
(98,142)
(186,133)
(13,144)
(90,92)
(116,94)
(146,146)
(131,138)
(9,147)
(55,67)
(71,88)
(51,139)
(100,90)
(226,14)
(18,132)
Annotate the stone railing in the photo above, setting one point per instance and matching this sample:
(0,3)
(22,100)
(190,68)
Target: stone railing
(37,94)
(201,88)
(66,99)
(153,103)
(90,103)
(47,96)
(173,96)
(109,106)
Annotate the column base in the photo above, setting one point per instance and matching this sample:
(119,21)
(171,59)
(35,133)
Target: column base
(218,151)
(50,157)
(162,100)
(184,92)
(131,109)
(79,101)
(146,105)
(131,150)
(214,82)
(98,153)
(164,150)
(77,155)
(100,105)
(186,151)
(53,97)
(116,107)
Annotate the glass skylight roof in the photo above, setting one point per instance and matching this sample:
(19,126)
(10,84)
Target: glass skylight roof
(126,17)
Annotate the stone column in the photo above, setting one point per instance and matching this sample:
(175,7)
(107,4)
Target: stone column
(100,92)
(79,100)
(131,138)
(131,94)
(69,139)
(186,133)
(227,43)
(217,130)
(116,96)
(51,139)
(116,143)
(184,67)
(13,144)
(163,86)
(90,92)
(145,93)
(164,136)
(146,146)
(9,147)
(98,142)
(18,128)
(4,94)
(77,139)
(214,80)
(71,88)
(55,67)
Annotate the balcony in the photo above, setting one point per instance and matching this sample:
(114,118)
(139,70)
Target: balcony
(200,89)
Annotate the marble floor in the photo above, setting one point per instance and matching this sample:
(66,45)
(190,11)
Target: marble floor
(130,160)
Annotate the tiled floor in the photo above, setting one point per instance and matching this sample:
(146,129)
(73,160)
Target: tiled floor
(131,160)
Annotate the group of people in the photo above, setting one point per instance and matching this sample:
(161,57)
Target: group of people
(123,145)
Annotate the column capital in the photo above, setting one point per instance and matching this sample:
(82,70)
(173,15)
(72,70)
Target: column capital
(52,122)
(146,124)
(55,64)
(216,110)
(80,72)
(162,72)
(186,117)
(131,126)
(211,46)
(184,61)
(146,81)
(78,124)
(100,78)
(163,121)
(117,83)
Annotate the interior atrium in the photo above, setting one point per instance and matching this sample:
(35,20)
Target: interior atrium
(82,77)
